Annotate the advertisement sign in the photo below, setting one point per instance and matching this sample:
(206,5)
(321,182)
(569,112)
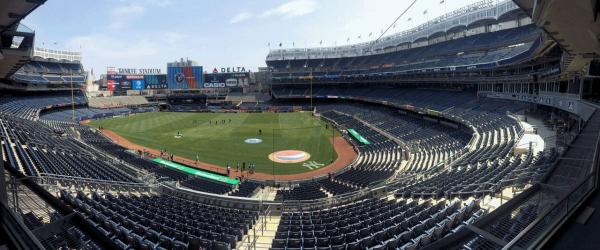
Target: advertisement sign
(110,85)
(156,81)
(138,84)
(229,80)
(117,83)
(134,77)
(229,70)
(125,85)
(189,77)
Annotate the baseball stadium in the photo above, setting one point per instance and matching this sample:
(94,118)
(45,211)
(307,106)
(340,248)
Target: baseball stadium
(300,124)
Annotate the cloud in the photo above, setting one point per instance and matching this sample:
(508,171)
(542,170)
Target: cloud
(291,9)
(131,9)
(148,49)
(103,51)
(103,46)
(122,15)
(240,17)
(160,3)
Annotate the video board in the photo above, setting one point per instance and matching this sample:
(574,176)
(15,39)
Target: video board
(113,82)
(138,84)
(188,77)
(122,83)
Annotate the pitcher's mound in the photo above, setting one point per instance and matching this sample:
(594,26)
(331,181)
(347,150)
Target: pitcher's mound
(289,156)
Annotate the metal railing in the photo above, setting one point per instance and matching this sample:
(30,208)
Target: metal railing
(29,196)
(536,234)
(52,180)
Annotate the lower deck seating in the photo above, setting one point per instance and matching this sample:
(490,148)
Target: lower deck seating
(204,185)
(70,238)
(334,187)
(505,228)
(305,191)
(166,222)
(245,189)
(374,223)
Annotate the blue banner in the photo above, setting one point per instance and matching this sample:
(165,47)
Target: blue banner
(138,84)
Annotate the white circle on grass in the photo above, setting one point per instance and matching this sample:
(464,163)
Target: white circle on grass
(253,141)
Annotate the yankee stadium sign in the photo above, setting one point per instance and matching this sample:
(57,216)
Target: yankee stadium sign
(131,71)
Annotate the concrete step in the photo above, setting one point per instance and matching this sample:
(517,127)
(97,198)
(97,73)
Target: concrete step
(267,194)
(326,192)
(263,233)
(248,246)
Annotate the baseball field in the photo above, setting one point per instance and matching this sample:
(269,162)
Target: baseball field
(279,143)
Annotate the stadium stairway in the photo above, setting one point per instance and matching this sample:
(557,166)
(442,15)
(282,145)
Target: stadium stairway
(266,194)
(261,237)
(329,194)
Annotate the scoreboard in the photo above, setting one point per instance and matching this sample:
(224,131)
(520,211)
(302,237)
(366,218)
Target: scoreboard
(119,84)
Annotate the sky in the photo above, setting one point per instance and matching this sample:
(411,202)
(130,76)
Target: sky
(225,33)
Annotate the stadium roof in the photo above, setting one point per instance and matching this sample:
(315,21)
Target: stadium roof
(12,11)
(574,25)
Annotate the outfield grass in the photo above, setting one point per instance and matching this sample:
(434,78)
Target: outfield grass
(224,143)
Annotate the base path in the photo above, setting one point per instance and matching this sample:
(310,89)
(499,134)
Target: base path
(345,151)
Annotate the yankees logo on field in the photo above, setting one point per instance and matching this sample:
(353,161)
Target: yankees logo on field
(312,164)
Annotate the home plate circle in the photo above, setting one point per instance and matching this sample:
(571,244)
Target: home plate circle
(289,156)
